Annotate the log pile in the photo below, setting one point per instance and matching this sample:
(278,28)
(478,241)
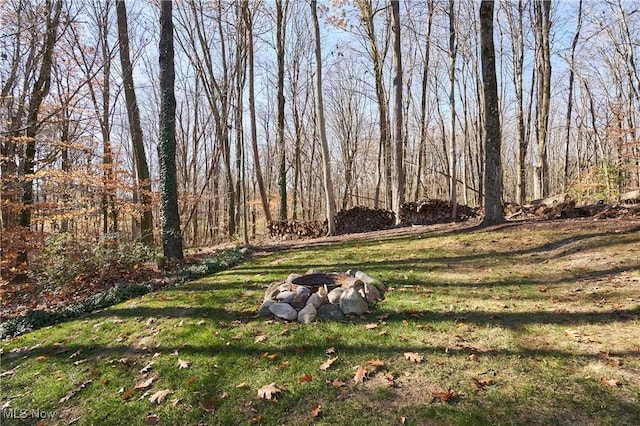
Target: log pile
(295,229)
(569,209)
(363,219)
(428,212)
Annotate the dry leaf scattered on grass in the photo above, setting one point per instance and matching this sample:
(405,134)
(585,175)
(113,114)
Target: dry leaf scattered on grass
(611,382)
(316,411)
(306,378)
(413,357)
(183,363)
(361,372)
(160,396)
(325,365)
(443,396)
(269,392)
(74,391)
(146,384)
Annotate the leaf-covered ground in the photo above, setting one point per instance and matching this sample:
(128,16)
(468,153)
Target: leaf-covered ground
(530,323)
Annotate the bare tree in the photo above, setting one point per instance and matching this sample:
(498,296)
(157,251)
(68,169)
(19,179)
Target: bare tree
(135,128)
(281,25)
(397,112)
(453,51)
(492,130)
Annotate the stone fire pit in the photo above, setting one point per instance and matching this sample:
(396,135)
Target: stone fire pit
(319,295)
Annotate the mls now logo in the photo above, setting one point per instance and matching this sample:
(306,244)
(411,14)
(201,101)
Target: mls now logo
(18,413)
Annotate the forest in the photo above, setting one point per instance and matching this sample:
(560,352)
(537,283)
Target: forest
(295,110)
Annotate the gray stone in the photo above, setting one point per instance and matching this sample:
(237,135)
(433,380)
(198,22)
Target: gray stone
(370,280)
(313,271)
(272,291)
(285,287)
(371,293)
(285,296)
(334,295)
(314,300)
(264,308)
(352,303)
(299,301)
(284,311)
(330,313)
(303,290)
(307,314)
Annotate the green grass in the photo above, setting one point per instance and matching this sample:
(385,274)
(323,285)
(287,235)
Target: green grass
(542,316)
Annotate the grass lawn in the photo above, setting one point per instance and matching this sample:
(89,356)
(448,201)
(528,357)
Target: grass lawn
(534,324)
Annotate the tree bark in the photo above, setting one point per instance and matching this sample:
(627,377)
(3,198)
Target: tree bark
(542,11)
(453,48)
(492,131)
(398,162)
(135,128)
(326,160)
(169,217)
(282,157)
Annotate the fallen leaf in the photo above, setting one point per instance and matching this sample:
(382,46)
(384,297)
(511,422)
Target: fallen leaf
(190,380)
(283,365)
(261,338)
(306,378)
(608,359)
(42,358)
(331,350)
(371,326)
(104,381)
(383,332)
(126,395)
(160,396)
(224,395)
(325,365)
(147,368)
(180,324)
(74,391)
(481,384)
(242,385)
(202,322)
(183,364)
(144,385)
(413,357)
(361,372)
(443,396)
(269,392)
(316,411)
(376,363)
(611,382)
(337,383)
(256,419)
(383,317)
(267,355)
(151,420)
(473,357)
(207,405)
(175,402)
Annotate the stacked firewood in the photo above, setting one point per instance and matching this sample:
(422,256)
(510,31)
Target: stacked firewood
(363,219)
(427,212)
(293,229)
(568,209)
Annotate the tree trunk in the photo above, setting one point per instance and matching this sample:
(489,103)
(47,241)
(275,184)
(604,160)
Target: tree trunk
(282,157)
(398,198)
(452,110)
(492,131)
(326,160)
(135,128)
(252,114)
(169,217)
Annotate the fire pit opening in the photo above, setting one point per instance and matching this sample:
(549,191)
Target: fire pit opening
(322,296)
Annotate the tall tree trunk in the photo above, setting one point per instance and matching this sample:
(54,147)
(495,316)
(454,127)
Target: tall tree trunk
(567,133)
(398,198)
(326,160)
(492,131)
(423,104)
(542,10)
(40,90)
(252,114)
(135,128)
(169,217)
(453,49)
(282,158)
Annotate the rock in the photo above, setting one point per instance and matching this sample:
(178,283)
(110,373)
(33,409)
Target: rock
(284,311)
(351,272)
(285,296)
(330,313)
(313,272)
(334,295)
(371,293)
(264,309)
(299,301)
(352,303)
(303,290)
(307,314)
(314,300)
(285,287)
(370,280)
(272,291)
(291,277)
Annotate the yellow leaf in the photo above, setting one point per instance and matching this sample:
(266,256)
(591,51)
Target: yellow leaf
(325,365)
